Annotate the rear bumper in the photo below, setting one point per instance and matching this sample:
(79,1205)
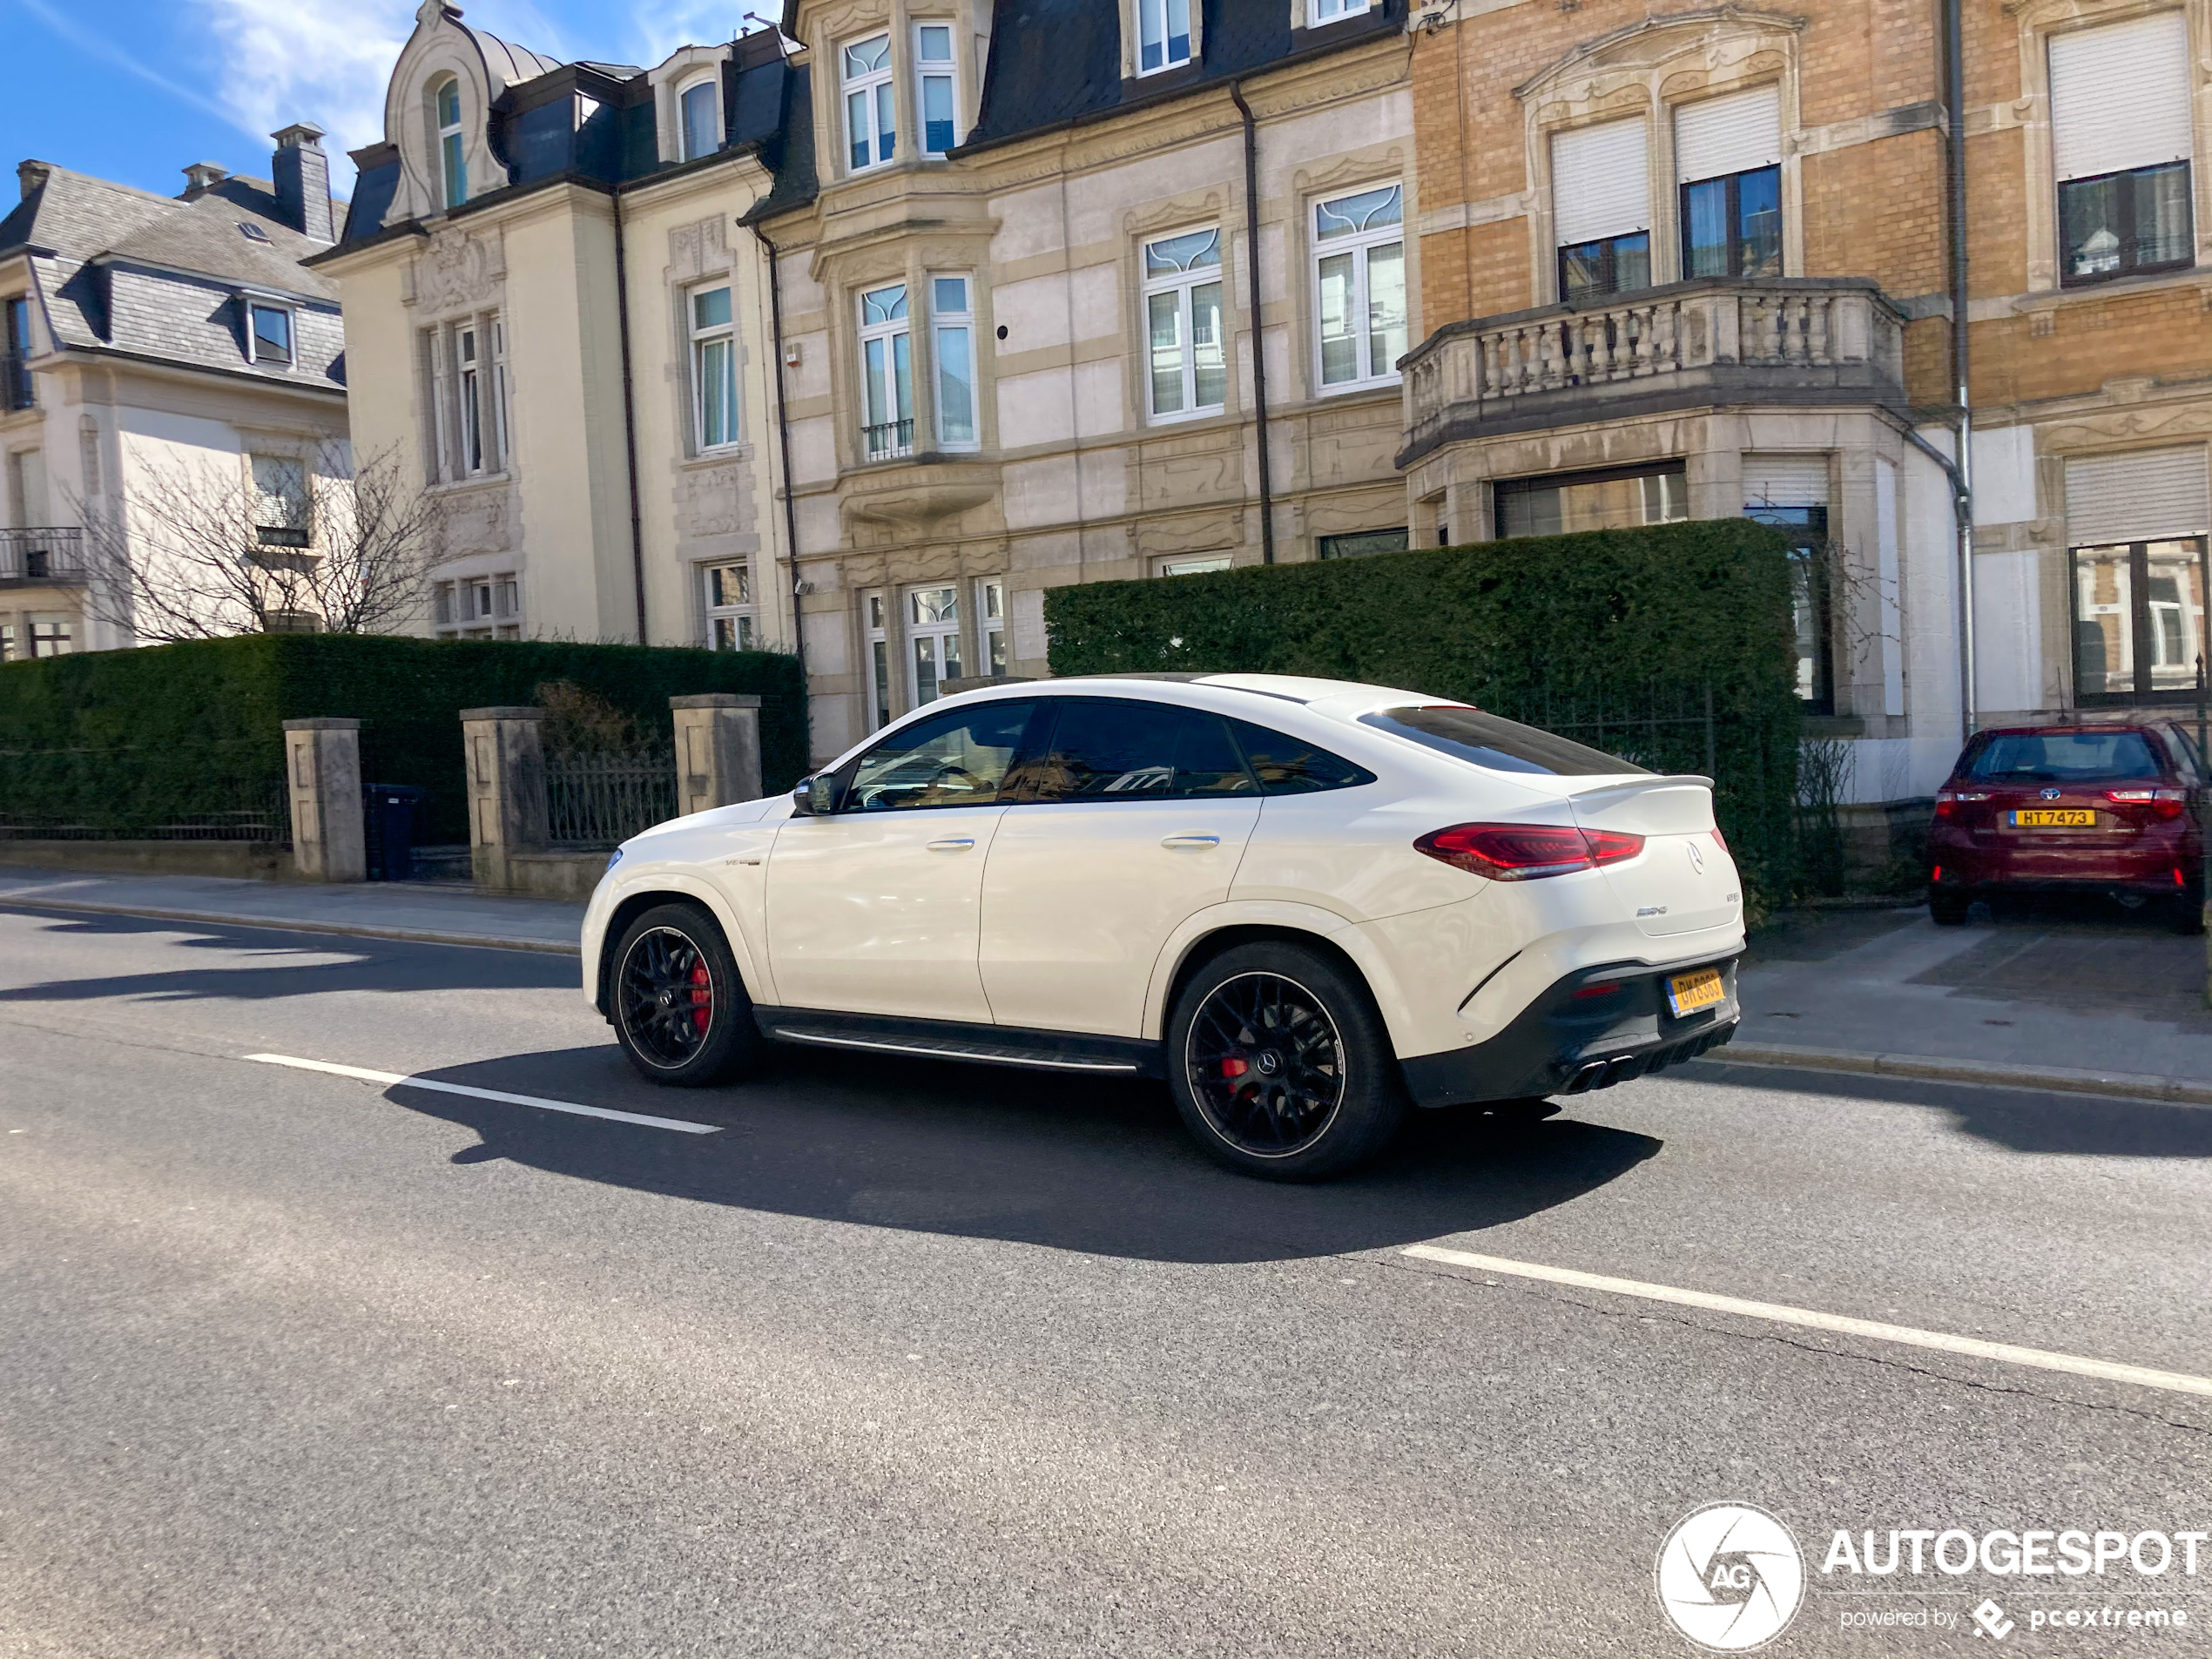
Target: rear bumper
(1564,1043)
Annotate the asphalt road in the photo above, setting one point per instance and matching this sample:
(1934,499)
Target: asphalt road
(927,1360)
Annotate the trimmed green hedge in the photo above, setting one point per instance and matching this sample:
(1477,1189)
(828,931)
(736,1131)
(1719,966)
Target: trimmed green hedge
(204,718)
(1615,636)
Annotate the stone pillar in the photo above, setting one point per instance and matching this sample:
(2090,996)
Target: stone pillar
(507,811)
(322,767)
(717,750)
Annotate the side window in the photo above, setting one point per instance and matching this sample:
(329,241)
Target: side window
(959,759)
(1207,765)
(1103,750)
(1288,765)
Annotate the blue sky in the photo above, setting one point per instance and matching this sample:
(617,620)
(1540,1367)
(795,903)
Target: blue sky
(135,90)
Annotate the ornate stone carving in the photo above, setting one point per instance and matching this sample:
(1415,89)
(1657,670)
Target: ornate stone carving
(2179,422)
(459,271)
(714,500)
(695,250)
(477,520)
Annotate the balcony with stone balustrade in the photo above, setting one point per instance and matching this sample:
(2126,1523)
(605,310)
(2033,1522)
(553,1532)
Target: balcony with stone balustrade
(1782,341)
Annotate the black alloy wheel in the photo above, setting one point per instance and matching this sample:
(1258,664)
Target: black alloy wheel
(1280,1063)
(680,1005)
(1266,1064)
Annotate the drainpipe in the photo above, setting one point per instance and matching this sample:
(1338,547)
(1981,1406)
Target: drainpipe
(1259,340)
(783,446)
(629,423)
(1954,102)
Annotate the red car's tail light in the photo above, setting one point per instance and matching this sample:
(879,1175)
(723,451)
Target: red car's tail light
(2163,803)
(1524,852)
(1948,801)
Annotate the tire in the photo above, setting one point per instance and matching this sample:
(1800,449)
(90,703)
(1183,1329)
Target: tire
(1315,1089)
(1948,909)
(665,959)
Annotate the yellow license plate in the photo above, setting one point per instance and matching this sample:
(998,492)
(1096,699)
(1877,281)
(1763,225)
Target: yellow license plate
(2054,818)
(1700,989)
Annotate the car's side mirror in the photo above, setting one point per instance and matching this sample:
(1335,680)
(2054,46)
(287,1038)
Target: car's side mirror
(818,796)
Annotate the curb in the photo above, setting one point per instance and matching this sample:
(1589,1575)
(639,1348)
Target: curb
(2120,1085)
(350,930)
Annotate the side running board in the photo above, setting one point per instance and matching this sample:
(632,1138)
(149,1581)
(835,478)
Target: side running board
(945,1049)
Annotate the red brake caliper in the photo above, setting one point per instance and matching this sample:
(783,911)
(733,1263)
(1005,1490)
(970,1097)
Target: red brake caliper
(1233,1068)
(702,998)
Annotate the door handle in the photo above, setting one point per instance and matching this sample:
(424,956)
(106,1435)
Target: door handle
(1191,843)
(953,844)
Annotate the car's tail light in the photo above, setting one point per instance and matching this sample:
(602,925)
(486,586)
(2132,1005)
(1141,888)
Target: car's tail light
(1524,852)
(1948,801)
(2162,803)
(1721,840)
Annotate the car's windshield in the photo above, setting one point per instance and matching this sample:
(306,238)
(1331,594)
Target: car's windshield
(1500,744)
(2063,757)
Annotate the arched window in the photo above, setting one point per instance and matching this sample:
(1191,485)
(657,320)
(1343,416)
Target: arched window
(450,162)
(702,120)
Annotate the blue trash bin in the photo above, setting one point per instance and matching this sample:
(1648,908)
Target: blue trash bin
(389,813)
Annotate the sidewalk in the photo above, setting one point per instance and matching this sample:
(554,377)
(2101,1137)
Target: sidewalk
(423,912)
(2085,1003)
(2084,999)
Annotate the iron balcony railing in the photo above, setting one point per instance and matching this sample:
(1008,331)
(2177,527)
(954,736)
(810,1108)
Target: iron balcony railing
(15,382)
(42,556)
(889,440)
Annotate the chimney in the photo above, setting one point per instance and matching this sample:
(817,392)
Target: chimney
(31,174)
(302,172)
(202,177)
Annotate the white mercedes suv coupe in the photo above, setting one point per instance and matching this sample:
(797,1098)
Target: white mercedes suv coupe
(1306,904)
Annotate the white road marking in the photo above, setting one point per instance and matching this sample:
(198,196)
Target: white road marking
(2004,1352)
(570,1106)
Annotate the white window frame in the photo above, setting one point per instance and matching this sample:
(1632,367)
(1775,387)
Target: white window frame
(876,655)
(453,148)
(1183,283)
(1325,11)
(712,81)
(497,327)
(952,335)
(703,338)
(942,634)
(887,335)
(1360,247)
(927,70)
(741,614)
(470,366)
(255,304)
(290,522)
(1159,13)
(873,86)
(470,397)
(483,606)
(990,627)
(1194,564)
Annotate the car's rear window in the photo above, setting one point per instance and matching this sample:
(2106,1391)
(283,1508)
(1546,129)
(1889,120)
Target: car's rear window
(2063,757)
(1498,743)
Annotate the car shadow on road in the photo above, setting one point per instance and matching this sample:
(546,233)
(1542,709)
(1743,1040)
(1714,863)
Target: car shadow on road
(2021,1120)
(246,963)
(1082,1165)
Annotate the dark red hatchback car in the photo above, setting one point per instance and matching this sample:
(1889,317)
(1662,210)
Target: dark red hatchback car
(2092,809)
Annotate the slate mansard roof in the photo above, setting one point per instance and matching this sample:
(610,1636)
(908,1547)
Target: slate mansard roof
(121,270)
(1053,63)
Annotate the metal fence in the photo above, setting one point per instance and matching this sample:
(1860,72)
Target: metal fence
(217,791)
(603,799)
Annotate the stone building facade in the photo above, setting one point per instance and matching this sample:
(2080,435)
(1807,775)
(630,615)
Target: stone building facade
(1695,262)
(147,338)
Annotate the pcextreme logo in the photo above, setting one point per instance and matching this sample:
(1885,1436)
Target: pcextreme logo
(1730,1577)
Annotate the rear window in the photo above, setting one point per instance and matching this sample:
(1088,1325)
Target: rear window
(1500,744)
(2063,757)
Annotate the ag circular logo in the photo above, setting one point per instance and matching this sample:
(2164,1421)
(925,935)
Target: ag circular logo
(1730,1577)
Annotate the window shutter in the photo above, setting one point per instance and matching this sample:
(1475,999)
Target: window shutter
(1724,135)
(2141,497)
(1785,481)
(1601,181)
(2120,96)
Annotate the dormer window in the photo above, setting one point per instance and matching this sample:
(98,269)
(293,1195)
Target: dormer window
(1164,35)
(699,107)
(870,103)
(251,232)
(272,334)
(452,165)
